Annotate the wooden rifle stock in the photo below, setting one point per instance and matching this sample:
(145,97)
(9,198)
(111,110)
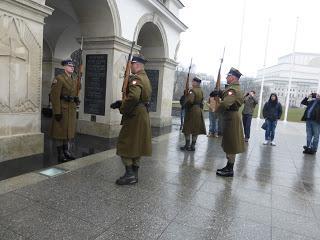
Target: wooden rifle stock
(80,70)
(79,79)
(188,79)
(127,74)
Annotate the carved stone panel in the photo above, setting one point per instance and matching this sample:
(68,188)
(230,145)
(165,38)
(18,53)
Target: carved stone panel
(20,67)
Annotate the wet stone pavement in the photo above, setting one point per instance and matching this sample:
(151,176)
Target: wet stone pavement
(275,194)
(83,145)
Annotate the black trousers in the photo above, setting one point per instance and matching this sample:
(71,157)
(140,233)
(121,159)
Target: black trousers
(246,120)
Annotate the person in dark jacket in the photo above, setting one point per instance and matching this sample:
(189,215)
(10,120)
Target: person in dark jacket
(272,112)
(182,110)
(250,102)
(312,117)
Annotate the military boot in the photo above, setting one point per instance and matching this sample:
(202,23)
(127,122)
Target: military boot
(135,171)
(61,157)
(227,171)
(186,146)
(128,178)
(67,153)
(192,147)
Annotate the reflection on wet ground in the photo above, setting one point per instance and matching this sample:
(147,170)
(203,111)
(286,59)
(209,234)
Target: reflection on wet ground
(275,194)
(83,145)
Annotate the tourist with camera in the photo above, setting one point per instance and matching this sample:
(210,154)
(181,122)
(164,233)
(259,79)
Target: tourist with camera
(312,118)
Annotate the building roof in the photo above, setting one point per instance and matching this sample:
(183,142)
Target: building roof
(180,3)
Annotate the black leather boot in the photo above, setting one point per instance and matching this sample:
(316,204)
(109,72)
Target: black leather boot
(128,178)
(61,157)
(135,171)
(192,147)
(67,153)
(227,171)
(186,146)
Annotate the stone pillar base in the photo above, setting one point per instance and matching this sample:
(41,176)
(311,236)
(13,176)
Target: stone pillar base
(98,129)
(17,146)
(161,122)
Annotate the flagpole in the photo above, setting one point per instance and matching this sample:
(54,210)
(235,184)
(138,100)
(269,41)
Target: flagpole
(242,30)
(291,71)
(264,69)
(318,88)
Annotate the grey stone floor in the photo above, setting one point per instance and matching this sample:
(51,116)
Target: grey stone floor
(274,195)
(83,145)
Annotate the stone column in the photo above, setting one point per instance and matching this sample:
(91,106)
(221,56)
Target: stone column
(95,116)
(21,37)
(161,102)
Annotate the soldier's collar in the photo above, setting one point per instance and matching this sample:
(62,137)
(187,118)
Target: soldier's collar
(234,83)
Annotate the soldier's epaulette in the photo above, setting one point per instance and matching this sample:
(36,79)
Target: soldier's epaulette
(191,92)
(230,92)
(57,78)
(135,81)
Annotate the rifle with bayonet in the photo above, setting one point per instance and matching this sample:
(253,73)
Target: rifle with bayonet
(117,104)
(188,80)
(218,83)
(76,57)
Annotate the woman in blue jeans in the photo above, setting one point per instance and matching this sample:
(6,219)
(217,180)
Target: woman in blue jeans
(272,112)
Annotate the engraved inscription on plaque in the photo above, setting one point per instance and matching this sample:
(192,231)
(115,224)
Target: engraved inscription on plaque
(153,76)
(95,84)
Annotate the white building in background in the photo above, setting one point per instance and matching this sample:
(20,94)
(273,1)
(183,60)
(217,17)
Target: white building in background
(305,77)
(35,35)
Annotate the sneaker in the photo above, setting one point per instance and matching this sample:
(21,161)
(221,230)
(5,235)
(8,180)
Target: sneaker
(209,135)
(246,139)
(309,151)
(266,142)
(216,135)
(273,143)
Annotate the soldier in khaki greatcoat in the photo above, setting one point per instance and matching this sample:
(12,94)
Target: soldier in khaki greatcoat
(135,135)
(194,122)
(233,140)
(63,97)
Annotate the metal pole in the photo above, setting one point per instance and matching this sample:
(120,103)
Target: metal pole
(291,71)
(242,30)
(263,70)
(318,88)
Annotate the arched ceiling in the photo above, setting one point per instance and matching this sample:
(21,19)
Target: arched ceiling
(93,18)
(150,36)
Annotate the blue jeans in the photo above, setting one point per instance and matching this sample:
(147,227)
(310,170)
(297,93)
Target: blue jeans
(313,131)
(213,122)
(270,131)
(182,113)
(246,120)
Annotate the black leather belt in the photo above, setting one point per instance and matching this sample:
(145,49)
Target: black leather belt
(69,98)
(145,104)
(232,110)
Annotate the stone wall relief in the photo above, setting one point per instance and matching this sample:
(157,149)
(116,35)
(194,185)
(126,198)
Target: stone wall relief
(20,67)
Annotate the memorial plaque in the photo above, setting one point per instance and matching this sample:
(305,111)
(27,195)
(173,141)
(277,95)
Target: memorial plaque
(95,84)
(153,76)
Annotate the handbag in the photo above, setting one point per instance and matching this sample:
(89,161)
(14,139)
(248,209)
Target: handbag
(264,125)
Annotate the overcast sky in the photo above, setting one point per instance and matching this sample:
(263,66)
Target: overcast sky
(214,24)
